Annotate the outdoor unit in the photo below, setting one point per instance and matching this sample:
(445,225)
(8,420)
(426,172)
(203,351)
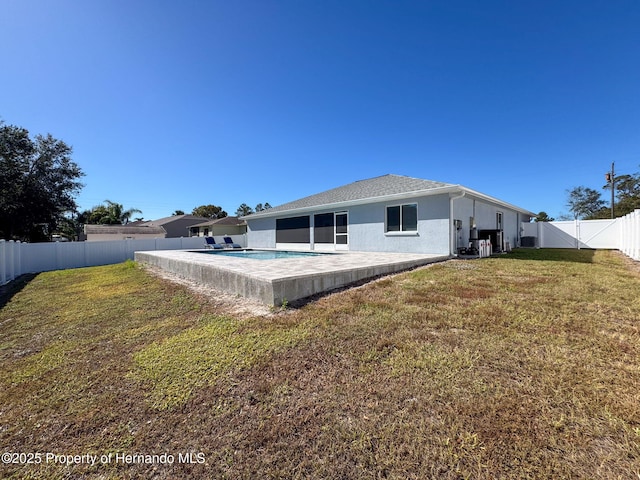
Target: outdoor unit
(494,236)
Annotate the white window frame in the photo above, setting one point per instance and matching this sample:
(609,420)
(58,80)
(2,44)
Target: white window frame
(401,232)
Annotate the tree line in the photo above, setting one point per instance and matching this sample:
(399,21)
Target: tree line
(214,211)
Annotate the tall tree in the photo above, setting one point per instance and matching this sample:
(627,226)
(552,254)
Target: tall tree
(38,183)
(209,211)
(260,207)
(244,210)
(585,203)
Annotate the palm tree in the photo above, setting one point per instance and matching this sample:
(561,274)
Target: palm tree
(117,214)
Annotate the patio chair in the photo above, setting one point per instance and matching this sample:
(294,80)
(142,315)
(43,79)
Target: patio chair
(229,243)
(211,243)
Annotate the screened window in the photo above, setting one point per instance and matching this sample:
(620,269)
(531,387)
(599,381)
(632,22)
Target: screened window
(323,228)
(293,230)
(402,218)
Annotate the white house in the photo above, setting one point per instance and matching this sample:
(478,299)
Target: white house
(390,213)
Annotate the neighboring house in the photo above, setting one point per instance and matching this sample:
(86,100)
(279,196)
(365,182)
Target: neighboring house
(227,226)
(177,225)
(97,233)
(390,213)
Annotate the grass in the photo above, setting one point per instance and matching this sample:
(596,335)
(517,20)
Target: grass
(519,366)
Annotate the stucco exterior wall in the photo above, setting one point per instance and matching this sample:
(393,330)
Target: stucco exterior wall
(367,228)
(261,233)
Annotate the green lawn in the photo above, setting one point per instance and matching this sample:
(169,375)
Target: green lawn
(521,366)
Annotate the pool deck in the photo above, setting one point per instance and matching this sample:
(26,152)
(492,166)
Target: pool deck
(282,280)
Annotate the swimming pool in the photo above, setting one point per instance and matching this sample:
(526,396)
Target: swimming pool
(263,254)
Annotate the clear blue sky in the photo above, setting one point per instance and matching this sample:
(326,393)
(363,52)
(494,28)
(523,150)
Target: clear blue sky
(174,104)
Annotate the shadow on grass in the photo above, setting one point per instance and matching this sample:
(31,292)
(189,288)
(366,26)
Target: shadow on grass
(10,289)
(553,254)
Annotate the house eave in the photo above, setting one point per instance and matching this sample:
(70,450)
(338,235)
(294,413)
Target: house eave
(448,189)
(496,201)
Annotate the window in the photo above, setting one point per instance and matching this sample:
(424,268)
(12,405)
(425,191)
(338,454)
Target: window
(402,218)
(293,230)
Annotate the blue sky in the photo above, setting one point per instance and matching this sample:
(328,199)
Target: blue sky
(170,105)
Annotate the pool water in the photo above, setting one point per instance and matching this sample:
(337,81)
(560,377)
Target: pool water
(263,254)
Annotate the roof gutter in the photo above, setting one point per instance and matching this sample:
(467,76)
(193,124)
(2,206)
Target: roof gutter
(452,228)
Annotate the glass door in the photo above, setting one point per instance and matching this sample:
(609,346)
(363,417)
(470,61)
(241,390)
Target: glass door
(342,231)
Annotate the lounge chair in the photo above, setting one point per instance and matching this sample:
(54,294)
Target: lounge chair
(211,243)
(229,243)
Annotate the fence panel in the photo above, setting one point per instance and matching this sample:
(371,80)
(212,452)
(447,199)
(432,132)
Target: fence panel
(630,235)
(621,234)
(17,258)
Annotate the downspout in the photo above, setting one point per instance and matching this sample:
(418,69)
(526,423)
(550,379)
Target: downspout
(452,227)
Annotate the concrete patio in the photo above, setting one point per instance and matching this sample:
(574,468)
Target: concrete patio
(282,280)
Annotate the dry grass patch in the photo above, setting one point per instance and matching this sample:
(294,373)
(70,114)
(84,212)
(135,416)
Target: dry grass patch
(521,366)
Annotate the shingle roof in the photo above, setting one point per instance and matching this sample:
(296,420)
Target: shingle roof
(233,221)
(124,230)
(174,218)
(384,186)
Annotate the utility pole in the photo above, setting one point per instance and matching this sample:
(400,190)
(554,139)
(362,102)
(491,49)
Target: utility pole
(610,176)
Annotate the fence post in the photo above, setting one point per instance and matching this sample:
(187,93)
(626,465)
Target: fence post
(634,222)
(11,263)
(19,247)
(57,253)
(3,262)
(540,228)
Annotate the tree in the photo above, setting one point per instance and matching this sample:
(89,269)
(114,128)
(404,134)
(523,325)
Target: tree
(209,211)
(38,183)
(543,217)
(177,212)
(627,193)
(110,214)
(585,203)
(244,210)
(261,208)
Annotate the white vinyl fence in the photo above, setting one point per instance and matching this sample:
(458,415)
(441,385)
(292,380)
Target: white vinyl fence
(619,234)
(17,258)
(630,235)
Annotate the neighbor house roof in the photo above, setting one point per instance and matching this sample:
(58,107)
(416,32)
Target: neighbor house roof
(175,218)
(383,188)
(229,221)
(124,230)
